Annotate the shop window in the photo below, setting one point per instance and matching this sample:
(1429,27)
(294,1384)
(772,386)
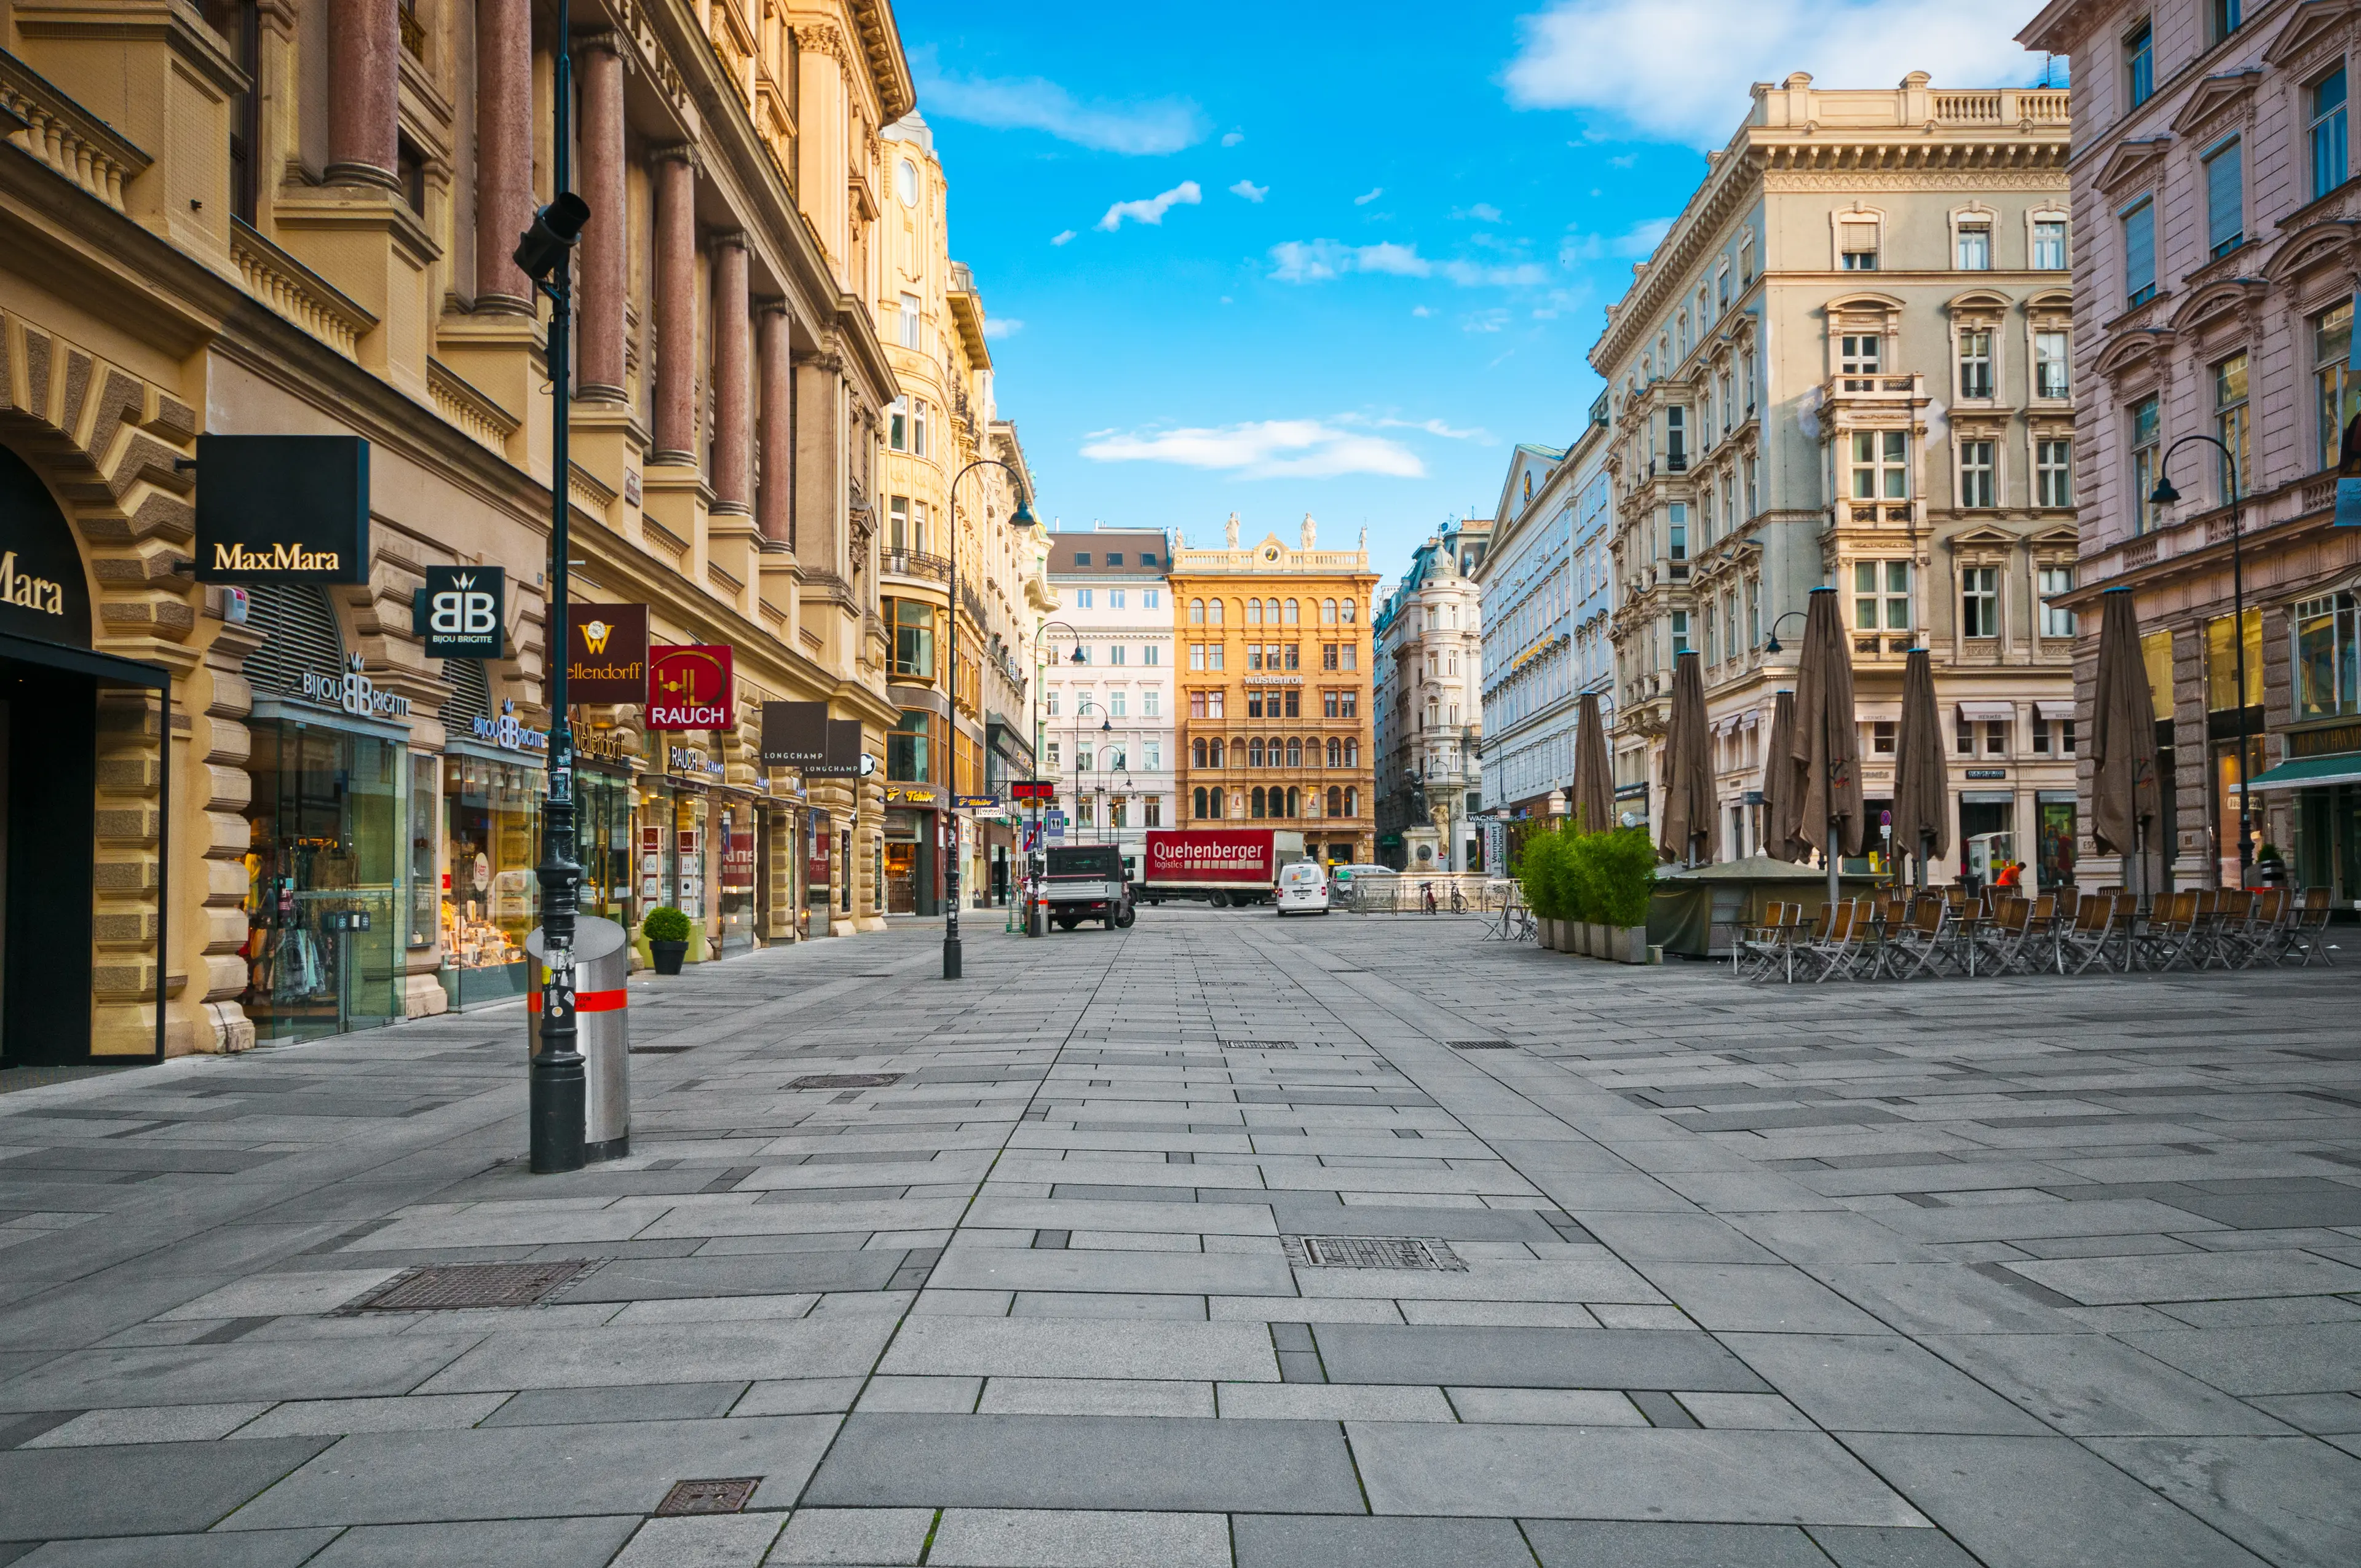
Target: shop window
(1880,738)
(2222,651)
(914,639)
(907,748)
(2327,633)
(492,816)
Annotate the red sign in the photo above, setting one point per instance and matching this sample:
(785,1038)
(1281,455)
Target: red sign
(1211,857)
(689,687)
(1032,789)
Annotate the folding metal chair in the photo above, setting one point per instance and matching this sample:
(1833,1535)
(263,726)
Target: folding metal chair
(2309,935)
(2088,937)
(2175,932)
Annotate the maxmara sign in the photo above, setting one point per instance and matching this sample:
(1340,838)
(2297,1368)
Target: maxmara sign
(282,508)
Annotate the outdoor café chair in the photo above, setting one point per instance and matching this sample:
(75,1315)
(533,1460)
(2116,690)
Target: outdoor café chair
(2048,917)
(2090,936)
(2008,940)
(2309,936)
(2174,934)
(2268,926)
(1768,949)
(2228,933)
(1919,941)
(1838,941)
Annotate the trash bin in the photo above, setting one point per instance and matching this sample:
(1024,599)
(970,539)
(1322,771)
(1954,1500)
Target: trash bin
(602,961)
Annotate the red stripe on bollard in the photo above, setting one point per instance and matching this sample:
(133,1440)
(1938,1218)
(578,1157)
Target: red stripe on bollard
(585,1000)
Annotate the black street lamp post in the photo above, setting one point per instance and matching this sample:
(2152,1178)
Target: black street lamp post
(1021,518)
(2165,495)
(555,1087)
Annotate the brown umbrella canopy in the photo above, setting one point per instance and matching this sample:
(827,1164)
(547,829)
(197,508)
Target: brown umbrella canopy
(1922,817)
(1778,778)
(1593,802)
(1824,748)
(1688,768)
(2123,732)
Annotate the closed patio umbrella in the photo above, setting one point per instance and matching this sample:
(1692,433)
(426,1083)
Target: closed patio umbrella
(1688,768)
(1594,781)
(1777,778)
(2124,792)
(1825,748)
(1922,817)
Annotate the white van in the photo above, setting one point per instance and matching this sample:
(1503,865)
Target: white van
(1303,885)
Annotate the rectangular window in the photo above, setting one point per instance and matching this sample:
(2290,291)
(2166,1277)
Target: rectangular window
(1115,653)
(2139,63)
(1995,739)
(1352,655)
(2225,199)
(1081,599)
(1152,655)
(1114,596)
(914,639)
(2339,389)
(1860,355)
(1975,247)
(1214,655)
(2049,245)
(2053,473)
(1214,703)
(1254,655)
(2050,357)
(1979,601)
(1881,737)
(2328,149)
(918,427)
(1881,469)
(1150,598)
(1151,704)
(1196,655)
(1349,704)
(2230,424)
(1115,558)
(1196,705)
(1976,363)
(897,426)
(1676,532)
(1328,704)
(1053,756)
(1680,632)
(1151,810)
(1858,244)
(2139,251)
(1049,702)
(1328,656)
(897,524)
(2147,436)
(909,320)
(2056,619)
(1676,455)
(1118,703)
(2226,16)
(2327,669)
(1979,483)
(1881,595)
(1294,702)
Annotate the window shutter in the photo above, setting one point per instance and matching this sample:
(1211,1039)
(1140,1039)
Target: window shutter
(2225,190)
(471,695)
(2140,248)
(1859,237)
(302,638)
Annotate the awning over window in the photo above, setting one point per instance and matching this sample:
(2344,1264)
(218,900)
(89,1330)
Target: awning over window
(2047,710)
(1989,712)
(2310,772)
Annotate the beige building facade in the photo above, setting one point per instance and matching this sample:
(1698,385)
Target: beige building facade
(1847,365)
(281,816)
(2214,197)
(1429,701)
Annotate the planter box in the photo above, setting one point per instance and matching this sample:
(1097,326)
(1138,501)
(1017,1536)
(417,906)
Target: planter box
(1626,944)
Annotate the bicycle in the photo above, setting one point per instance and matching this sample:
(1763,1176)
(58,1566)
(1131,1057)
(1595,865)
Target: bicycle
(1458,900)
(1426,895)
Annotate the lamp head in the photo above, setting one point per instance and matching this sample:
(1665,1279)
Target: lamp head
(1023,517)
(2164,495)
(1771,643)
(1076,656)
(556,228)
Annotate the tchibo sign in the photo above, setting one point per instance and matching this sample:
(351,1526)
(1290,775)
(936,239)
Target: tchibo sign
(354,693)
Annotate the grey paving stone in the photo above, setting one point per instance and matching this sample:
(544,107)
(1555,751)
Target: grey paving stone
(1020,1347)
(878,1537)
(1868,1546)
(2324,1358)
(2021,1222)
(2193,1277)
(1312,1541)
(2091,1384)
(1606,1544)
(1088,1304)
(2040,1502)
(1673,1238)
(1532,1358)
(1027,1537)
(1095,1397)
(56,1494)
(1731,1478)
(772,1274)
(1770,1298)
(1224,1274)
(274,1549)
(583,1541)
(631,1402)
(720,1540)
(677,1353)
(230,1374)
(1876,1382)
(2287,1499)
(1297,1217)
(1082,1462)
(487,1474)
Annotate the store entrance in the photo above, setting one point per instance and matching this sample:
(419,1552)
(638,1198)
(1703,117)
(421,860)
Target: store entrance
(49,734)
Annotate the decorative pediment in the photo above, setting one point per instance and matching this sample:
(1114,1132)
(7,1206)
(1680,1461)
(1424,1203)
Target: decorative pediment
(2057,536)
(2215,95)
(1863,304)
(2328,242)
(2131,162)
(2051,300)
(2314,23)
(2228,297)
(1978,302)
(1982,539)
(2131,351)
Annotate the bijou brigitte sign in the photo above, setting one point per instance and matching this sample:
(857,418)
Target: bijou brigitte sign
(688,687)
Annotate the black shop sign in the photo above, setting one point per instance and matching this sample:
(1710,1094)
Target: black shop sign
(282,508)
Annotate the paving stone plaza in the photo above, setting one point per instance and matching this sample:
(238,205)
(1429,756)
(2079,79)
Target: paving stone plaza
(1223,1241)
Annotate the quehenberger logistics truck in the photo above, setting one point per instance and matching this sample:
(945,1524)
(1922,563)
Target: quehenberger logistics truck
(1225,866)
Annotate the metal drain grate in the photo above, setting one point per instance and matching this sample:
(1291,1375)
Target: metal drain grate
(660,1050)
(846,1080)
(707,1497)
(448,1287)
(1482,1045)
(1374,1252)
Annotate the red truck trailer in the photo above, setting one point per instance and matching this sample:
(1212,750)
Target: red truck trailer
(1225,866)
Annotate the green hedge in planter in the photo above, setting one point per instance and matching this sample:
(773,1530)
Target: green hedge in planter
(1545,872)
(1601,879)
(665,924)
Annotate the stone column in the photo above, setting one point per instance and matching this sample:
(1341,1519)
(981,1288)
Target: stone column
(818,436)
(604,277)
(676,310)
(504,202)
(733,399)
(364,91)
(775,504)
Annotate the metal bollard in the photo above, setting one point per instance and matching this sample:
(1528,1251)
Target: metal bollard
(602,963)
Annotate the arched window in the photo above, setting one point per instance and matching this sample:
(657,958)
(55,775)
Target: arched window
(1335,801)
(1257,805)
(1335,752)
(1254,612)
(1327,612)
(1197,760)
(1270,752)
(1352,752)
(1214,612)
(1352,801)
(1197,799)
(1217,804)
(1254,757)
(1347,607)
(1214,748)
(1294,757)
(1238,751)
(1294,797)
(1289,613)
(1196,613)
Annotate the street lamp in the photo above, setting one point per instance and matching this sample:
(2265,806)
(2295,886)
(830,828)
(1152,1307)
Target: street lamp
(2165,495)
(1021,518)
(1107,727)
(1771,643)
(555,1088)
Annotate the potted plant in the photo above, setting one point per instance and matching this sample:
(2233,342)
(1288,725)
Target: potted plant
(1623,866)
(666,929)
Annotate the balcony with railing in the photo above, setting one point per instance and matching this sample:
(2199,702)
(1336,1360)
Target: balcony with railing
(918,565)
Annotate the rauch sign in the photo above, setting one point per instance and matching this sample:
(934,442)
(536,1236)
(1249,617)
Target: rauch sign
(689,687)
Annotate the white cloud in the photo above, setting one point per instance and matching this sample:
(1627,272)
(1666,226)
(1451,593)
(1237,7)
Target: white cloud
(1699,96)
(1642,238)
(1151,210)
(1474,275)
(1373,195)
(1420,310)
(1249,190)
(1002,326)
(1263,449)
(1482,211)
(1233,138)
(1318,260)
(1031,104)
(1431,426)
(1061,237)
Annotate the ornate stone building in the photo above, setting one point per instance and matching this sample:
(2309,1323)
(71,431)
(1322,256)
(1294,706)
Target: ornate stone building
(1108,715)
(1273,658)
(282,817)
(1847,365)
(1428,700)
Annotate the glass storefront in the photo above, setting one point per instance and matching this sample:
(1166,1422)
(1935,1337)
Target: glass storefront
(817,849)
(2054,839)
(734,835)
(324,862)
(603,831)
(490,898)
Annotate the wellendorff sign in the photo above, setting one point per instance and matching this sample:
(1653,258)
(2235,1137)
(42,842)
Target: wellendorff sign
(607,653)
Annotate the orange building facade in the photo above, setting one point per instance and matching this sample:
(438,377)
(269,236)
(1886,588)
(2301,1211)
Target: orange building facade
(1272,654)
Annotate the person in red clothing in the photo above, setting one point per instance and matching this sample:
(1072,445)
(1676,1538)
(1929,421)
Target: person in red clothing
(2011,875)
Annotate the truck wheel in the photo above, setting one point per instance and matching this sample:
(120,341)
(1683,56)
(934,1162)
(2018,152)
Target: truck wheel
(1219,899)
(1122,919)
(1067,922)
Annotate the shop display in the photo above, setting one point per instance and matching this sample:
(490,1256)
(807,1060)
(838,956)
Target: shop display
(491,888)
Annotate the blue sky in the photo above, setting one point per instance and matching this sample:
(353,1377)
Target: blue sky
(1303,256)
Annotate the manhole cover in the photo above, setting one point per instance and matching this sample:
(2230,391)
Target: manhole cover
(660,1050)
(1373,1252)
(450,1285)
(707,1497)
(1482,1046)
(846,1080)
